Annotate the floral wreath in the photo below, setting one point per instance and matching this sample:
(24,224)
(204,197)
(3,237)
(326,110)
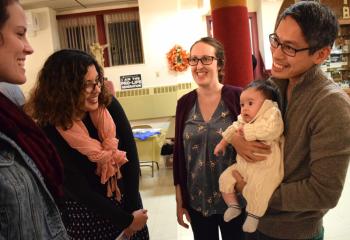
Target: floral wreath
(177,59)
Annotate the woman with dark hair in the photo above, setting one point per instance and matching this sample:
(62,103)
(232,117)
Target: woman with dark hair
(201,115)
(30,169)
(91,133)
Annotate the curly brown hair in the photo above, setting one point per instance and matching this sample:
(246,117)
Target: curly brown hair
(58,96)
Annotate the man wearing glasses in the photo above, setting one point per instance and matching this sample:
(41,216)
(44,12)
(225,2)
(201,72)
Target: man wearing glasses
(316,114)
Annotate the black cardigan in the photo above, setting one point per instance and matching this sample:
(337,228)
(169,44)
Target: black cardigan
(81,184)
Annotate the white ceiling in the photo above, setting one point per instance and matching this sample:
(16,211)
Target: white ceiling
(63,5)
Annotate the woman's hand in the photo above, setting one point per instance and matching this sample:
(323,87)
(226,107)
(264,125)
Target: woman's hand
(128,232)
(139,221)
(180,211)
(249,149)
(180,215)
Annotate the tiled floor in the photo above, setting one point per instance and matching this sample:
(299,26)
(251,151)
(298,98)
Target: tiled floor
(159,198)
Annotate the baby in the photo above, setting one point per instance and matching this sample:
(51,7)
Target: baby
(260,120)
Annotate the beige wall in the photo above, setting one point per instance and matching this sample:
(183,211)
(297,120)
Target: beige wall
(267,14)
(163,24)
(44,42)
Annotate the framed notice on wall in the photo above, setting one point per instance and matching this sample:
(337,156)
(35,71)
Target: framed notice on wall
(130,81)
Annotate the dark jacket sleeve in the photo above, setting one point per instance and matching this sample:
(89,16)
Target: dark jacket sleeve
(79,188)
(130,170)
(231,96)
(184,105)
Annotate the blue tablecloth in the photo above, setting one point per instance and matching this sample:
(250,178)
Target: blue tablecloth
(145,134)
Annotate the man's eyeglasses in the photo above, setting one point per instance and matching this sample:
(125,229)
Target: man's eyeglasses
(288,50)
(90,86)
(205,60)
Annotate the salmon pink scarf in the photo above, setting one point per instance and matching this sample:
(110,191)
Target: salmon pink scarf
(105,154)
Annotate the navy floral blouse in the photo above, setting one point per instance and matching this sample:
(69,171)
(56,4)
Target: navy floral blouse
(204,168)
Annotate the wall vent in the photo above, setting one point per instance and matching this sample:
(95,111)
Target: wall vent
(184,86)
(156,102)
(165,89)
(133,92)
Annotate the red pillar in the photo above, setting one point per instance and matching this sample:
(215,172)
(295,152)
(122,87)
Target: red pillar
(231,28)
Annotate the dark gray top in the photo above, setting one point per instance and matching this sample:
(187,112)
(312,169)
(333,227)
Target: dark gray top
(203,167)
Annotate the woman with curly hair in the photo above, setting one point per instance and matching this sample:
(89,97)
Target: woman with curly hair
(95,141)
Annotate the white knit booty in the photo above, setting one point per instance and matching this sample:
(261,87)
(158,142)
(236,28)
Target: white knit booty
(231,212)
(251,223)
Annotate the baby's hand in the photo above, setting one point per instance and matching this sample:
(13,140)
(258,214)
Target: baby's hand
(219,150)
(241,131)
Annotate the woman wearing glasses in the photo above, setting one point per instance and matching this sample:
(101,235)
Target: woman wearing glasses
(91,133)
(201,115)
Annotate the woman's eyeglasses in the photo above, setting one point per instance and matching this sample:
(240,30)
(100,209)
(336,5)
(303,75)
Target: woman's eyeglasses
(90,86)
(205,60)
(288,50)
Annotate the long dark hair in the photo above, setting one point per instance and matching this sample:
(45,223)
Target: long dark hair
(57,95)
